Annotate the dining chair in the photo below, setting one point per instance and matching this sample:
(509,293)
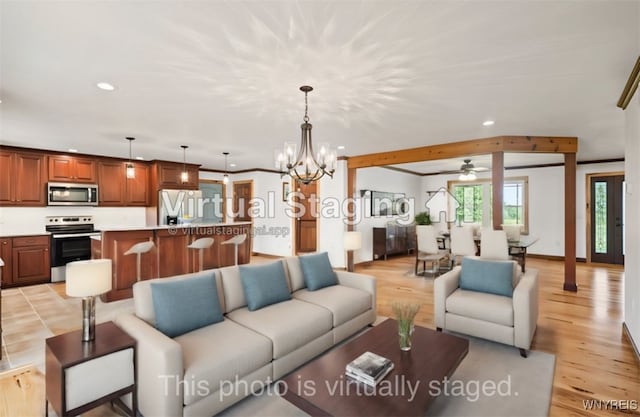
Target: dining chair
(493,244)
(201,244)
(428,250)
(462,243)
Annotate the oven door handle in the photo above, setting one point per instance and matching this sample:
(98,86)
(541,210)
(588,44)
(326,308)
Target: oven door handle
(66,235)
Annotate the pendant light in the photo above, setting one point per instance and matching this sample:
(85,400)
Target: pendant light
(131,171)
(185,175)
(304,164)
(225,179)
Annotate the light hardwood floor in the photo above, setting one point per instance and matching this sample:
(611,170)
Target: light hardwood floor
(594,360)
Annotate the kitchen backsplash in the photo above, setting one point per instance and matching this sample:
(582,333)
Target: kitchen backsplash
(31,220)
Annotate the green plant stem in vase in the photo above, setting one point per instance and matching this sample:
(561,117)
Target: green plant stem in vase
(405,315)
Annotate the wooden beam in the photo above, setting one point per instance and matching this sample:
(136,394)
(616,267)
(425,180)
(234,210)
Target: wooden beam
(529,144)
(630,87)
(497,187)
(351,191)
(570,222)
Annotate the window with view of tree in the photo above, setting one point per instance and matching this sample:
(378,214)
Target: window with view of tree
(475,200)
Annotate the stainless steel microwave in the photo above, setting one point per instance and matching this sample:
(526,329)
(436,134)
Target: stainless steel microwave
(67,194)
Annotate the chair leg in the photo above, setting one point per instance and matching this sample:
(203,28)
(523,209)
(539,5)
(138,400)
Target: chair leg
(416,273)
(523,353)
(438,329)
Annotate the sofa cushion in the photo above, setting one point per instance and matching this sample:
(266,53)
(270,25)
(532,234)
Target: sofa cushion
(218,353)
(344,303)
(289,325)
(317,271)
(481,306)
(491,277)
(264,284)
(294,272)
(185,305)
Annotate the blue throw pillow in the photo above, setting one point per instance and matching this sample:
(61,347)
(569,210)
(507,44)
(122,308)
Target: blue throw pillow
(186,305)
(317,271)
(493,277)
(264,285)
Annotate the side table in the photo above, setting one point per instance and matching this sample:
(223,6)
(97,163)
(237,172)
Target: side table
(82,375)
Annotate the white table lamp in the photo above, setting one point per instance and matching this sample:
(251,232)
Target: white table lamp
(352,241)
(87,279)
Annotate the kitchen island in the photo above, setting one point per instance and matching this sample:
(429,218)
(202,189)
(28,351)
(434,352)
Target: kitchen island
(170,255)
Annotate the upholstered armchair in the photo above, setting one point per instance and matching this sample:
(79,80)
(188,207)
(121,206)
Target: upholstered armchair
(489,299)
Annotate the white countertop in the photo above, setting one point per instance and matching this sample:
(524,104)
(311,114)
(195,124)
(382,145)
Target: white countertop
(1,262)
(173,226)
(21,234)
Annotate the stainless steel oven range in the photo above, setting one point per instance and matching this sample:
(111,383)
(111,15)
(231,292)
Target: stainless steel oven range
(70,241)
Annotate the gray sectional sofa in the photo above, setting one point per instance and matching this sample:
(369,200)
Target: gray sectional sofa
(206,370)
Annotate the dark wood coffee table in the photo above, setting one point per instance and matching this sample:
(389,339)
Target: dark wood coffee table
(434,356)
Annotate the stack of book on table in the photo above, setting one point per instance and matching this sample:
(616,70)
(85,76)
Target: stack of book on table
(369,368)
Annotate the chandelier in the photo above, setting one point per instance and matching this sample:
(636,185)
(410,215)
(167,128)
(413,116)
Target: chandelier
(305,164)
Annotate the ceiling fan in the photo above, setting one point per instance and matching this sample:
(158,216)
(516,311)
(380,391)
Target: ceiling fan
(467,171)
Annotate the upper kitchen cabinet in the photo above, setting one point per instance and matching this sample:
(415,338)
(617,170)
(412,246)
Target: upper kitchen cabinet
(169,176)
(22,178)
(115,189)
(63,168)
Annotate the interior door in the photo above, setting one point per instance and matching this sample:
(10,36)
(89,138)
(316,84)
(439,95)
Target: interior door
(241,200)
(213,193)
(306,224)
(607,219)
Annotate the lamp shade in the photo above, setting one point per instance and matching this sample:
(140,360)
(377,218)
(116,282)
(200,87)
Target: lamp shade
(88,278)
(352,240)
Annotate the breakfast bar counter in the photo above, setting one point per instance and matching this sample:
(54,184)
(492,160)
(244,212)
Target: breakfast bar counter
(170,255)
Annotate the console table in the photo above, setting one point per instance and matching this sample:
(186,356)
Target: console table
(393,239)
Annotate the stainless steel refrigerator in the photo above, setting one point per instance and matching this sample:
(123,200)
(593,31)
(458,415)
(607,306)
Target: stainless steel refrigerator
(180,205)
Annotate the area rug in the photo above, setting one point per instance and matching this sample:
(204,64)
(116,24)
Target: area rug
(492,380)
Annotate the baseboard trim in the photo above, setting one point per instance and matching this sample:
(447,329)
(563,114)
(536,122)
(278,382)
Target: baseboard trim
(627,333)
(553,257)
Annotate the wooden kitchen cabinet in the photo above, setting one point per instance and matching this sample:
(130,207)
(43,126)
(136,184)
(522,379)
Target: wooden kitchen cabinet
(26,259)
(23,178)
(173,242)
(6,253)
(169,176)
(63,168)
(115,189)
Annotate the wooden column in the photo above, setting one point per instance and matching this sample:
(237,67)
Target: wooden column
(497,183)
(570,222)
(351,192)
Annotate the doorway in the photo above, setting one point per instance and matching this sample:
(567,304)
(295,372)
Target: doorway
(242,194)
(306,222)
(606,218)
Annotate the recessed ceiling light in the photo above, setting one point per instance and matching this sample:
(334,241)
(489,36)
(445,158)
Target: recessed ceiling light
(139,158)
(341,147)
(488,123)
(73,150)
(232,165)
(105,86)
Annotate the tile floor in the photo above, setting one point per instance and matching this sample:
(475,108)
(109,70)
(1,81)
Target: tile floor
(32,314)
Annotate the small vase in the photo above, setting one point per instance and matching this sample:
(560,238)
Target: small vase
(405,333)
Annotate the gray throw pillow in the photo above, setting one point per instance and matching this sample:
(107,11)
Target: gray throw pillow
(493,277)
(185,305)
(317,271)
(264,284)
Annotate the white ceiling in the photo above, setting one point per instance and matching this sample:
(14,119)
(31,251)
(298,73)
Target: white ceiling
(224,76)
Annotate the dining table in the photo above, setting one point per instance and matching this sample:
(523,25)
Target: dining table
(517,248)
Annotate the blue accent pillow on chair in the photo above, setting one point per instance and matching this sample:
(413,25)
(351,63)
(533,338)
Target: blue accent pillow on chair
(186,305)
(317,271)
(264,285)
(493,277)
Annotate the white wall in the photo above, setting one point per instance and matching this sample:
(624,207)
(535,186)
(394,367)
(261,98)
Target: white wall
(381,179)
(331,224)
(632,226)
(31,220)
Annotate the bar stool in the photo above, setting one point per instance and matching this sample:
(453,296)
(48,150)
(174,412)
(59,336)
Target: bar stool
(201,244)
(235,241)
(138,249)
